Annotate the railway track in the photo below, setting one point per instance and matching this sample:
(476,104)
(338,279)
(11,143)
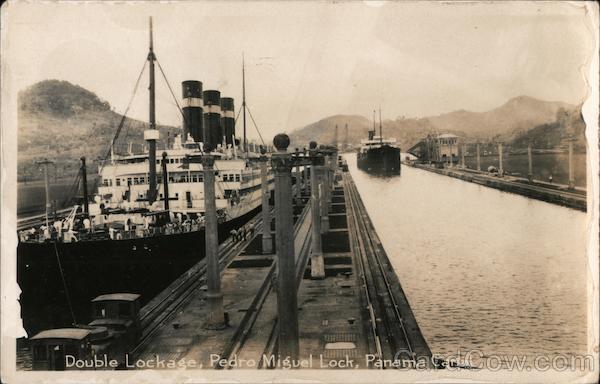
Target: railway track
(387,334)
(244,329)
(164,306)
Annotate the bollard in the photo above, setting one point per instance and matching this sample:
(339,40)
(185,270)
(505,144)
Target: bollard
(500,168)
(317,264)
(530,164)
(287,297)
(214,297)
(571,173)
(478,159)
(267,239)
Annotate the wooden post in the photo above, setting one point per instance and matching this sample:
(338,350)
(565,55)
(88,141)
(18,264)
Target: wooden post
(571,171)
(322,190)
(317,265)
(305,172)
(165,176)
(530,164)
(45,163)
(298,179)
(500,168)
(267,239)
(86,206)
(214,297)
(287,296)
(478,159)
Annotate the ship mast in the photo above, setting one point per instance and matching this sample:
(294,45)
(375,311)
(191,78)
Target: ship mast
(151,135)
(374,122)
(245,149)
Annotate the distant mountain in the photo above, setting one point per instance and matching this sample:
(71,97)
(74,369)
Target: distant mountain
(507,122)
(518,113)
(62,122)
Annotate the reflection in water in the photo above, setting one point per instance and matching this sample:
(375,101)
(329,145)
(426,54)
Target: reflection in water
(482,269)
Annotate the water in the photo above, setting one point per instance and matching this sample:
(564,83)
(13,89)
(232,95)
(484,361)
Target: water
(483,269)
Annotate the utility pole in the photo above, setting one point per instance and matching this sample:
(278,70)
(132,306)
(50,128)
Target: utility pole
(245,148)
(571,170)
(45,163)
(529,163)
(86,206)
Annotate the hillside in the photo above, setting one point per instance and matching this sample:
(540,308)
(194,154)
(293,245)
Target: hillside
(62,122)
(508,122)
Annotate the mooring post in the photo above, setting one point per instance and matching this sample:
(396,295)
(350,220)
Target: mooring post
(287,297)
(571,173)
(478,159)
(214,297)
(530,163)
(317,265)
(267,239)
(500,167)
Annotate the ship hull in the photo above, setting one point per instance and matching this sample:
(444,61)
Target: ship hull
(384,160)
(91,268)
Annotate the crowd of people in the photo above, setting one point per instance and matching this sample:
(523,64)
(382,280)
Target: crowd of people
(243,233)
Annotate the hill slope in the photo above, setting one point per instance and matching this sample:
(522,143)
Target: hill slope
(507,122)
(62,122)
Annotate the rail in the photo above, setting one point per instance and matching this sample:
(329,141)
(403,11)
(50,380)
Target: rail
(163,306)
(247,322)
(390,333)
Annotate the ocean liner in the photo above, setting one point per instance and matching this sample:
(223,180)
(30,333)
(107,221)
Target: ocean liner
(378,155)
(143,228)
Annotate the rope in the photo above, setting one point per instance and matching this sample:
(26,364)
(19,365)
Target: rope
(172,93)
(64,284)
(123,118)
(255,126)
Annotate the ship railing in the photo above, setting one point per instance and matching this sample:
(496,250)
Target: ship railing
(118,234)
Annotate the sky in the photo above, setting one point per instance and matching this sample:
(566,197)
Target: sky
(306,60)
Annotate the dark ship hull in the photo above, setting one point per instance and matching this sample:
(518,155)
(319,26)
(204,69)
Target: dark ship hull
(91,268)
(383,160)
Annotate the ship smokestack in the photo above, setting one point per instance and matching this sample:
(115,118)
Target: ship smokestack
(228,119)
(192,110)
(213,132)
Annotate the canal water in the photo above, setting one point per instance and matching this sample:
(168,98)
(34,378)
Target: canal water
(483,269)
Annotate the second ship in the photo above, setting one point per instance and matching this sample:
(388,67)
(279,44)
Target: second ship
(377,155)
(144,227)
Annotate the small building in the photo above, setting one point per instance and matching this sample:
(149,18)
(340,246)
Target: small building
(50,348)
(442,148)
(448,145)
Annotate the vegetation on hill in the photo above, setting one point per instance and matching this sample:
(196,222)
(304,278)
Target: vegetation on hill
(62,122)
